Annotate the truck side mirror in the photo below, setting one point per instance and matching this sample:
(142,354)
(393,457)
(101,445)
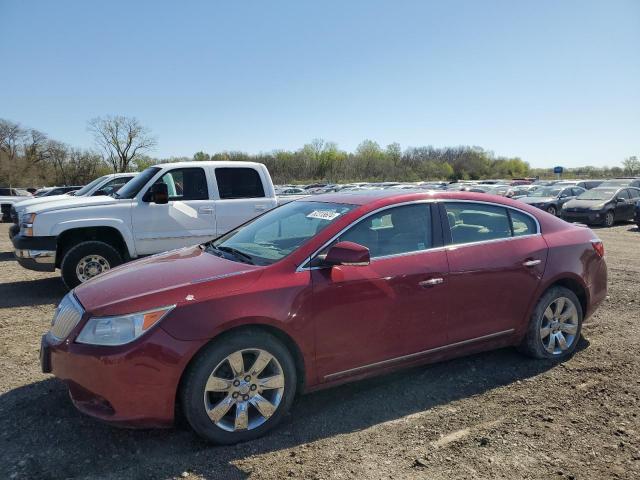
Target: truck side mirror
(158,193)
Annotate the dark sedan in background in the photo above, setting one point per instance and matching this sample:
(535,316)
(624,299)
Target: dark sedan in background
(602,205)
(552,198)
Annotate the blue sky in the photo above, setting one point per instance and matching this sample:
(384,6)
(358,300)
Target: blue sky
(554,82)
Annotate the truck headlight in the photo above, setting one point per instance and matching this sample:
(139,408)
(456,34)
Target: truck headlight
(26,226)
(121,329)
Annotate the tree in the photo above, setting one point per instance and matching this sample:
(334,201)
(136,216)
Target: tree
(122,139)
(631,165)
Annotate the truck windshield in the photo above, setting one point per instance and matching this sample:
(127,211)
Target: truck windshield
(132,188)
(277,233)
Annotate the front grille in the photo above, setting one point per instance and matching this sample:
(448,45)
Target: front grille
(66,317)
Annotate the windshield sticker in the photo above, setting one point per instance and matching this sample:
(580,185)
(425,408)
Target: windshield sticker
(324,214)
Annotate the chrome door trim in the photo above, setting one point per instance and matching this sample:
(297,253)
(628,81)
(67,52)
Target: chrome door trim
(417,354)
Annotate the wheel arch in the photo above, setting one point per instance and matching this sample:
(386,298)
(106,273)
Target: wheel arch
(576,285)
(74,236)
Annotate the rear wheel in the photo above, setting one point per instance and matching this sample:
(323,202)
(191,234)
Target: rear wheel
(552,210)
(238,388)
(86,260)
(555,325)
(609,219)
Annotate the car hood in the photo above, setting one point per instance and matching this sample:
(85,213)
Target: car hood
(12,199)
(532,200)
(172,278)
(39,200)
(579,203)
(69,201)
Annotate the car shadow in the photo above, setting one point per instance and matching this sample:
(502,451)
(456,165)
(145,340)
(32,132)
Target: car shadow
(27,293)
(46,437)
(6,256)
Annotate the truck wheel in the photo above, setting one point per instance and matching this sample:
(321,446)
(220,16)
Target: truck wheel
(86,260)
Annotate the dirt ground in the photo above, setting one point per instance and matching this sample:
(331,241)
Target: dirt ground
(492,415)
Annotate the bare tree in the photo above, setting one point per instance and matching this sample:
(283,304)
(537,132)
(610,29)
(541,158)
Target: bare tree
(122,139)
(11,135)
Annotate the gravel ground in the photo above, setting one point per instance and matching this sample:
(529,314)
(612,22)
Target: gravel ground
(492,415)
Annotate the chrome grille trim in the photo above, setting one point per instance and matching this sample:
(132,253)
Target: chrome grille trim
(66,317)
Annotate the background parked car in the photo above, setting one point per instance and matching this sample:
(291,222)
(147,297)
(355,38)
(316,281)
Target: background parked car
(53,191)
(552,198)
(602,205)
(9,196)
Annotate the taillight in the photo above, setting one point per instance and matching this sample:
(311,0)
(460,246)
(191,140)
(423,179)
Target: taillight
(598,246)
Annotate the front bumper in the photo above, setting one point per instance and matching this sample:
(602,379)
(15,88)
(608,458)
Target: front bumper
(35,253)
(583,217)
(132,385)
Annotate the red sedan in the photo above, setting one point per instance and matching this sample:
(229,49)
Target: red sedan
(318,292)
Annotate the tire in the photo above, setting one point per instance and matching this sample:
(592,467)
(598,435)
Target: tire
(214,358)
(535,343)
(552,210)
(609,219)
(75,255)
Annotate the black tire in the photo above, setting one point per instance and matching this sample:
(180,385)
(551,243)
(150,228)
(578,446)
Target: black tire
(552,210)
(76,253)
(609,219)
(192,392)
(532,343)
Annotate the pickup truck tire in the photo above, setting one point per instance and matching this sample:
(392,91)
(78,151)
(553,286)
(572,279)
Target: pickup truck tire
(87,259)
(248,374)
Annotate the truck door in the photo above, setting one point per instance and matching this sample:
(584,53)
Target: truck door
(188,218)
(242,193)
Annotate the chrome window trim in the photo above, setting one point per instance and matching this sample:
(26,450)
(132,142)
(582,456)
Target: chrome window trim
(302,267)
(417,354)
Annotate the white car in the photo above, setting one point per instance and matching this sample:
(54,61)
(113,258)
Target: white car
(9,196)
(105,185)
(165,207)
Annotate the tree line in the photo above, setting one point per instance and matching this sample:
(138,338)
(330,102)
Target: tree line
(29,157)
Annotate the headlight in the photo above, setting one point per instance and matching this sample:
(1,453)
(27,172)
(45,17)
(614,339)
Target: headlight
(27,224)
(120,329)
(597,207)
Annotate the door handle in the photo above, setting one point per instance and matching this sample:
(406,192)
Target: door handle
(431,282)
(532,263)
(260,208)
(205,210)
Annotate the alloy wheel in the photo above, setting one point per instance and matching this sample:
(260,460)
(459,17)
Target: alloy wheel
(90,266)
(608,219)
(552,210)
(559,327)
(244,390)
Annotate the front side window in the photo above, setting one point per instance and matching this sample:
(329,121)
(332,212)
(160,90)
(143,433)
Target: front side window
(393,231)
(634,192)
(279,232)
(476,222)
(84,190)
(239,183)
(113,186)
(186,184)
(624,194)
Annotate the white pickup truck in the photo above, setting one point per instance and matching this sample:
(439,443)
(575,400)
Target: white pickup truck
(166,206)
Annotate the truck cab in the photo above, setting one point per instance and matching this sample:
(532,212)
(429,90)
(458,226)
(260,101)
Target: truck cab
(165,207)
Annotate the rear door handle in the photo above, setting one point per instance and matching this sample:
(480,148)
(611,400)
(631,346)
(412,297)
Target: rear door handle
(431,282)
(261,207)
(532,263)
(205,210)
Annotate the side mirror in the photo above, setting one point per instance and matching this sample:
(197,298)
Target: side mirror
(158,193)
(619,199)
(348,253)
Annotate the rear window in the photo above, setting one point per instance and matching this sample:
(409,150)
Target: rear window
(239,183)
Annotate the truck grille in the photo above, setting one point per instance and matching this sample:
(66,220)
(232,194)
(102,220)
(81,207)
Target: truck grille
(66,317)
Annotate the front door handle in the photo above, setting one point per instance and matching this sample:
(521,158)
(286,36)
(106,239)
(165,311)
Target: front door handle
(532,263)
(431,282)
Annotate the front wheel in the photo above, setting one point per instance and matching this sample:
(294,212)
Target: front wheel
(86,260)
(552,210)
(239,387)
(609,219)
(555,325)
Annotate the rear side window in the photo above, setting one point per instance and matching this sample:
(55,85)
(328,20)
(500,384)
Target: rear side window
(186,184)
(634,193)
(239,183)
(623,194)
(5,192)
(477,222)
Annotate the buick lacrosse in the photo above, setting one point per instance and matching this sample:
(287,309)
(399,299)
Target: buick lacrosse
(317,292)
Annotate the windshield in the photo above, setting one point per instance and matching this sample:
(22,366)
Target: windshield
(132,188)
(597,194)
(84,190)
(277,233)
(546,192)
